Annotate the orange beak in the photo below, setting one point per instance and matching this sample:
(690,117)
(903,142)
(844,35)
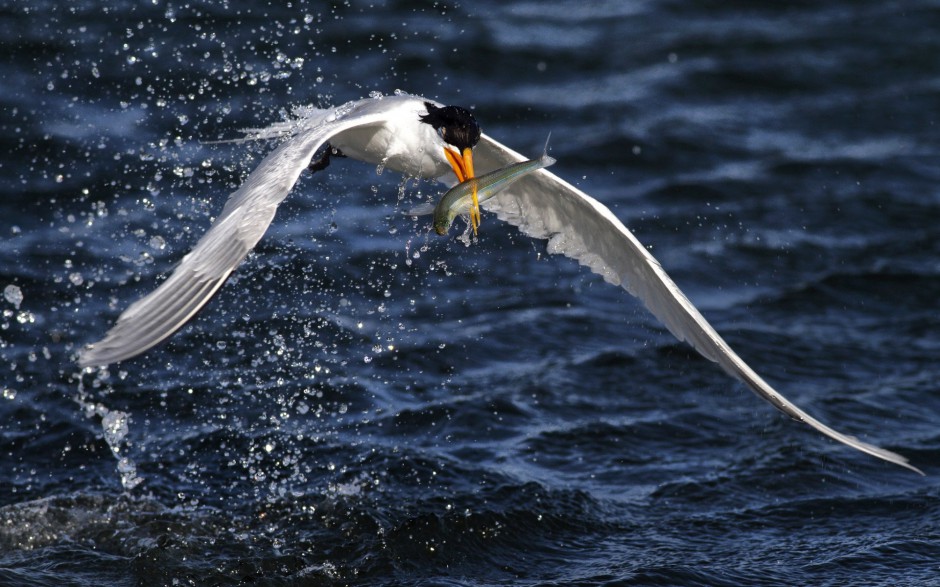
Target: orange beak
(463,168)
(457,164)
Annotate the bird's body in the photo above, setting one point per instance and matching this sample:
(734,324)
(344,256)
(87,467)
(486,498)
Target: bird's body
(401,142)
(413,136)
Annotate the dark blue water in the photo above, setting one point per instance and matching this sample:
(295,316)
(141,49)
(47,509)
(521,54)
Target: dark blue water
(365,403)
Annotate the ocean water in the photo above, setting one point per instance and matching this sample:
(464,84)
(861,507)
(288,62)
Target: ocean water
(365,403)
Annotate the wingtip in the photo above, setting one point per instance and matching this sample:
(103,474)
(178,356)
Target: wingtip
(901,461)
(870,449)
(86,358)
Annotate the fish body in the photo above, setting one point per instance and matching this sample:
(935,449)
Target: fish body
(459,198)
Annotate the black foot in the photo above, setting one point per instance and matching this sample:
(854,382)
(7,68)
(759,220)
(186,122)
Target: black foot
(323,161)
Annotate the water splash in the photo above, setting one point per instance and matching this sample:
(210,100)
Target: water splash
(115,429)
(14,295)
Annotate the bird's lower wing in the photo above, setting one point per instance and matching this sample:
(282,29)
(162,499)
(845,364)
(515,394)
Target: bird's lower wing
(243,221)
(576,225)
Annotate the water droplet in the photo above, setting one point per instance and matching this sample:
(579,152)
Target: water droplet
(14,295)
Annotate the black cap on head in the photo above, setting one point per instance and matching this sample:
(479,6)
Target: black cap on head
(456,125)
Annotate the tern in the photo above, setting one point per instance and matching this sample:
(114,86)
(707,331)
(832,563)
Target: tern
(422,138)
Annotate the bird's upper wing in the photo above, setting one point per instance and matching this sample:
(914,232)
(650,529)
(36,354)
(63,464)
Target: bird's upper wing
(576,225)
(244,219)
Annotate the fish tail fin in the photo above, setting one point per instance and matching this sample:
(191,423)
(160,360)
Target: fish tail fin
(422,209)
(547,159)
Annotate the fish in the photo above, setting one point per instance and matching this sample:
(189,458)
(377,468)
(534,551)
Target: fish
(459,198)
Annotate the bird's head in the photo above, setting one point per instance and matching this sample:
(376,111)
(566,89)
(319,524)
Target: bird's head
(458,129)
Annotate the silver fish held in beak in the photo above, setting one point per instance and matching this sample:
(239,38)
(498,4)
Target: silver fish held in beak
(461,197)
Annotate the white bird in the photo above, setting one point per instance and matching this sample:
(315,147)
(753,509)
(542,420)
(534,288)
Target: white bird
(421,138)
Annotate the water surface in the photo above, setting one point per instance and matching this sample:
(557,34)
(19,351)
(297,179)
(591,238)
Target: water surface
(367,403)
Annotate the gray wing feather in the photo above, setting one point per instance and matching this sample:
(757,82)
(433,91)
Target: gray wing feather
(576,225)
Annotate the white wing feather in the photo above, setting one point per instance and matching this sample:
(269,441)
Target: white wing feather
(243,221)
(576,225)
